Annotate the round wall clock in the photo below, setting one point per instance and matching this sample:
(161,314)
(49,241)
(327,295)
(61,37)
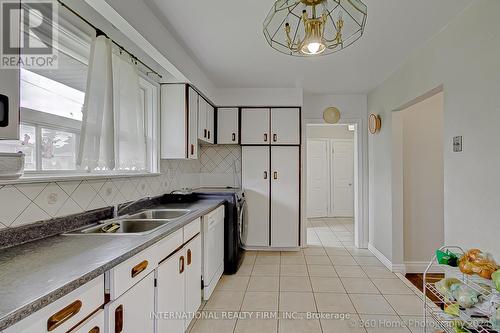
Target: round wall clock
(331,115)
(374,123)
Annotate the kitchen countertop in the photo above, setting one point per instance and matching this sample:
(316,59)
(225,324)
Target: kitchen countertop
(35,274)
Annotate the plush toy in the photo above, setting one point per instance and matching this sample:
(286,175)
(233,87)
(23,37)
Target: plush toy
(476,262)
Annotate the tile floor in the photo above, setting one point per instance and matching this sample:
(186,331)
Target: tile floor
(329,287)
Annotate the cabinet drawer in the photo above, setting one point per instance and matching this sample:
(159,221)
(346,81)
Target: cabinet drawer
(94,324)
(191,229)
(167,246)
(66,312)
(120,278)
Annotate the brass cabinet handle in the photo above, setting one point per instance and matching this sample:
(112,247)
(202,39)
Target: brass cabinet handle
(234,137)
(139,268)
(95,330)
(265,174)
(119,319)
(275,175)
(265,137)
(63,315)
(189,256)
(181,265)
(275,137)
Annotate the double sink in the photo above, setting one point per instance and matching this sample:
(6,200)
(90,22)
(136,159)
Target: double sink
(141,223)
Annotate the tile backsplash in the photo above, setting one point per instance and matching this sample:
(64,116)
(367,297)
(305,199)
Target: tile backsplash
(22,204)
(220,165)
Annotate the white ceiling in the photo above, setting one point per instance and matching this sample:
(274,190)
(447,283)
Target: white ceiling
(225,38)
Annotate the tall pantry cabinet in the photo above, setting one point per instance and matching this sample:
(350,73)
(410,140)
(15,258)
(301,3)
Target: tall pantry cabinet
(271,176)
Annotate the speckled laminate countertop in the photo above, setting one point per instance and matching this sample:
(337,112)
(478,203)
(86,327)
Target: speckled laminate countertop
(35,274)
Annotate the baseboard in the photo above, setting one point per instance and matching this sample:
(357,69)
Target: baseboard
(420,267)
(380,256)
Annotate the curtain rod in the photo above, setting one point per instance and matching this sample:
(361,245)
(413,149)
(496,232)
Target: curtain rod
(99,32)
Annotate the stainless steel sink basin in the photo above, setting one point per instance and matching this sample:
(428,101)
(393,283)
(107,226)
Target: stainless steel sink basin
(123,227)
(160,214)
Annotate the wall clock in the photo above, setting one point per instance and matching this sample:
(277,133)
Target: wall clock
(331,115)
(374,123)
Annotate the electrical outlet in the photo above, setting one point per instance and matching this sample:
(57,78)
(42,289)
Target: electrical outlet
(457,144)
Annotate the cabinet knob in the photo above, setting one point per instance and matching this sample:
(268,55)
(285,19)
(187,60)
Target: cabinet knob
(265,174)
(181,265)
(119,319)
(208,135)
(189,257)
(205,133)
(95,330)
(192,149)
(275,175)
(63,315)
(139,268)
(275,137)
(234,137)
(265,137)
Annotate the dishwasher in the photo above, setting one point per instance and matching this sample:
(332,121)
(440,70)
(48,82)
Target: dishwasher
(213,250)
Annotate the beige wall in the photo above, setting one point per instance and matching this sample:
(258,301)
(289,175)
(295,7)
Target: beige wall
(464,59)
(423,178)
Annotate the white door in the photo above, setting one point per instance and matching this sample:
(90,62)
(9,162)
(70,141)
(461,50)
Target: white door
(255,126)
(285,126)
(318,178)
(285,196)
(210,123)
(131,312)
(193,124)
(170,293)
(343,177)
(202,119)
(193,277)
(227,126)
(255,182)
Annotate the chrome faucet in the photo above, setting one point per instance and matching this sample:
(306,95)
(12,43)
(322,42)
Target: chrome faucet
(117,209)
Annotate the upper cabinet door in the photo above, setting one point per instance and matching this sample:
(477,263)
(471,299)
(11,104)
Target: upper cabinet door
(227,126)
(285,126)
(210,123)
(193,123)
(255,126)
(202,120)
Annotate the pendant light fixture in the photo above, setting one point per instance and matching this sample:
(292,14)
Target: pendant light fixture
(314,27)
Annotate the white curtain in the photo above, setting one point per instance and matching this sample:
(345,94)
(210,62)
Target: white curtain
(97,140)
(129,115)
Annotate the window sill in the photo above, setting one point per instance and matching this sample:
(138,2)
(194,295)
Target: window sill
(38,178)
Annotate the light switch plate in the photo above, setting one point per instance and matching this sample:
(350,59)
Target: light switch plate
(457,144)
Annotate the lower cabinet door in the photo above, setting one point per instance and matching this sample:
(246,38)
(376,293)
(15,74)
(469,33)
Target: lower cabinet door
(133,311)
(193,278)
(170,294)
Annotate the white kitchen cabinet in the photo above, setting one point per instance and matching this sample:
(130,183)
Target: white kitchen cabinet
(178,287)
(66,312)
(227,126)
(9,91)
(255,126)
(285,126)
(132,311)
(170,293)
(285,199)
(179,113)
(270,178)
(193,277)
(256,182)
(206,121)
(94,324)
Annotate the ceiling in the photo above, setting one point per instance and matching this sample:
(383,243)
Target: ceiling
(225,38)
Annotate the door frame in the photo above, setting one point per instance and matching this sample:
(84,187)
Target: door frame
(360,179)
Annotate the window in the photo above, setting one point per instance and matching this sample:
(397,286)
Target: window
(51,110)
